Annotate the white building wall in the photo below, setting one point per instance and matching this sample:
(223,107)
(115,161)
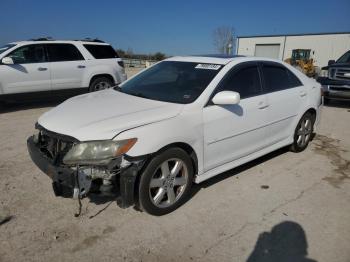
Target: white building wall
(246,46)
(325,47)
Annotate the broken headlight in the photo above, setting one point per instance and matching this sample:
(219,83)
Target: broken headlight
(97,152)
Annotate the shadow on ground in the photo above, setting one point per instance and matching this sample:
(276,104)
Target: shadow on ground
(338,103)
(100,200)
(18,106)
(197,187)
(285,243)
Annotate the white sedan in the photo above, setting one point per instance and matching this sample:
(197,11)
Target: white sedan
(183,120)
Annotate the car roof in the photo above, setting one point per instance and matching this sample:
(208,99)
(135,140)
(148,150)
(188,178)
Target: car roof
(208,59)
(57,42)
(219,59)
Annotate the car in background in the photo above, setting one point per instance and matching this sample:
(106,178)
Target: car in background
(336,85)
(183,120)
(47,68)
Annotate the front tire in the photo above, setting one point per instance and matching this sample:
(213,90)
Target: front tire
(166,182)
(100,83)
(303,133)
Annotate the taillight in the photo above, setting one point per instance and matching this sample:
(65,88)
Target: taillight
(121,63)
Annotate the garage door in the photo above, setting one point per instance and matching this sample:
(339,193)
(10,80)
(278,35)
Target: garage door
(270,51)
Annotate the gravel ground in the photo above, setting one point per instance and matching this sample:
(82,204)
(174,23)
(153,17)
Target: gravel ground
(284,205)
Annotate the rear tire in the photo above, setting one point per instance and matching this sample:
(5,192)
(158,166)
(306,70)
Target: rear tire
(165,184)
(100,83)
(303,133)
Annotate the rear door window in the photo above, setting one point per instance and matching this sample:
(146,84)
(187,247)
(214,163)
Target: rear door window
(277,78)
(101,51)
(29,54)
(63,52)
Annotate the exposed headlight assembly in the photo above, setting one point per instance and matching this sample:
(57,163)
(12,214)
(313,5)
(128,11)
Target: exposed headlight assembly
(97,152)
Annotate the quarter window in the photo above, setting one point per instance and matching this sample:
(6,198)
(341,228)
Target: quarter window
(101,51)
(245,81)
(63,52)
(28,54)
(278,78)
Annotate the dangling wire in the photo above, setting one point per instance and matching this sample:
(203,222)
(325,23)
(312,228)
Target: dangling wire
(79,198)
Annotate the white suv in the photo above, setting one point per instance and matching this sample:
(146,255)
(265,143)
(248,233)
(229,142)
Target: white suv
(32,69)
(183,120)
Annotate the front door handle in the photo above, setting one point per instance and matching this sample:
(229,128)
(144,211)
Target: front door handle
(42,68)
(81,66)
(302,93)
(262,105)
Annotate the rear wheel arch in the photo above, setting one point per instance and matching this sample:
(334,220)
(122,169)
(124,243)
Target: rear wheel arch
(110,77)
(313,112)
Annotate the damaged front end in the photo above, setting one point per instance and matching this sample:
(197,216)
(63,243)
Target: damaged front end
(78,169)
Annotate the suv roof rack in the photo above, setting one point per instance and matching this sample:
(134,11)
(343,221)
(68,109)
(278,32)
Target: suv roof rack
(88,39)
(47,38)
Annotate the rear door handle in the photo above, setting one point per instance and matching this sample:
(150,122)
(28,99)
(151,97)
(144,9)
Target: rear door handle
(42,68)
(81,66)
(302,93)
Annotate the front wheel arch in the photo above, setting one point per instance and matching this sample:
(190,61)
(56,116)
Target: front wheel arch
(142,201)
(184,146)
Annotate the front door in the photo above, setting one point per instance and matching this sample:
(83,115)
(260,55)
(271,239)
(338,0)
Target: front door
(234,131)
(29,73)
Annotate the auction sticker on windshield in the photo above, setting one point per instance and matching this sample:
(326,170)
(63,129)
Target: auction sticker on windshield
(208,66)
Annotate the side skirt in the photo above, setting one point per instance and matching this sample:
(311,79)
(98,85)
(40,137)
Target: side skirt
(218,170)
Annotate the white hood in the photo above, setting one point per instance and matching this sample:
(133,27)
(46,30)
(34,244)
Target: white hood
(103,115)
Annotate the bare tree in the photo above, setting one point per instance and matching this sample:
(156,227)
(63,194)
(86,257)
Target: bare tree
(223,39)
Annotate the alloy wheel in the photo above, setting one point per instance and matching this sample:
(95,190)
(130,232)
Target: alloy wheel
(304,132)
(101,86)
(168,183)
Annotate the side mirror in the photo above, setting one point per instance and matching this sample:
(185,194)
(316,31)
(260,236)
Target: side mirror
(226,98)
(331,62)
(7,61)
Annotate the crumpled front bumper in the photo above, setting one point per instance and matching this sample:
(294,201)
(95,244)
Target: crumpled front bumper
(64,180)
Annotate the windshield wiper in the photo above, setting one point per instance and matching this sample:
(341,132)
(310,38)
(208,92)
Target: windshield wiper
(139,95)
(117,88)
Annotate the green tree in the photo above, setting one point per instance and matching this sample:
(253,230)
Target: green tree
(158,56)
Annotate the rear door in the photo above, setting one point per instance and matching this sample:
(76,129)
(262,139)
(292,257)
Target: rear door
(234,131)
(286,98)
(67,66)
(30,73)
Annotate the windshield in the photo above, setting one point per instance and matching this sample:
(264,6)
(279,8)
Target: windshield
(6,47)
(171,81)
(344,58)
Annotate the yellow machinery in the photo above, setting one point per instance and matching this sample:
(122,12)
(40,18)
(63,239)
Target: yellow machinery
(301,60)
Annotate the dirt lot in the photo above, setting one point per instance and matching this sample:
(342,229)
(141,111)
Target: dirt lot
(301,202)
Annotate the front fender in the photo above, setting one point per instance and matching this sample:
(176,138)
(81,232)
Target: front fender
(151,138)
